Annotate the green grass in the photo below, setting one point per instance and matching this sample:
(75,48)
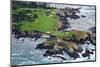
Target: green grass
(43,23)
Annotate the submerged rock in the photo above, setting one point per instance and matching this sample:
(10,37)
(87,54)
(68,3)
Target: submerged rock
(83,16)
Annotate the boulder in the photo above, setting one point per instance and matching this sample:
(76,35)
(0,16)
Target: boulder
(87,53)
(51,52)
(63,58)
(74,16)
(73,54)
(43,46)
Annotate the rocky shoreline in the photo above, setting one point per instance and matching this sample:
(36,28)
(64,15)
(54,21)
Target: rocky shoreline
(72,45)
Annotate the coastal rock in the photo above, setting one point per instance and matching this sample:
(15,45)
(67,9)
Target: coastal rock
(74,16)
(76,36)
(73,54)
(87,53)
(63,58)
(51,52)
(44,46)
(93,29)
(73,47)
(79,36)
(92,35)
